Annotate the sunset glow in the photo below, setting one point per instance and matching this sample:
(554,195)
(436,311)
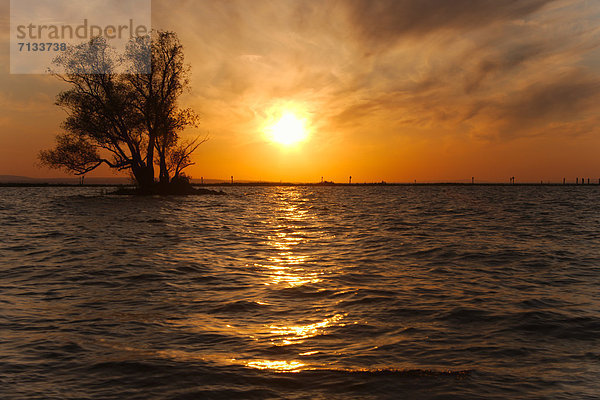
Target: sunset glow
(289,130)
(300,90)
(337,199)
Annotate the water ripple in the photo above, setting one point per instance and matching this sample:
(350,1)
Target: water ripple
(301,292)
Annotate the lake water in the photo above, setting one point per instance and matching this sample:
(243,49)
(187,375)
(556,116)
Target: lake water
(424,292)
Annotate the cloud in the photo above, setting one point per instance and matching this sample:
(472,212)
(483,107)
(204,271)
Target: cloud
(380,22)
(567,101)
(371,72)
(490,66)
(512,77)
(558,100)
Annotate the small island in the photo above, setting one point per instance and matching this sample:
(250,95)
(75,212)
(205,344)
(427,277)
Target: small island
(180,186)
(130,122)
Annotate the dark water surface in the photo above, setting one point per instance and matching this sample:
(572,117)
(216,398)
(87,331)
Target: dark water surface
(301,293)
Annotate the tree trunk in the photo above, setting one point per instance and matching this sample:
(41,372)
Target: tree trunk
(147,180)
(143,178)
(164,171)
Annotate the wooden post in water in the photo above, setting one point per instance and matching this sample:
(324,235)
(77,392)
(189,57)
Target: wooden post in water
(472,180)
(564,180)
(202,180)
(350,180)
(232,179)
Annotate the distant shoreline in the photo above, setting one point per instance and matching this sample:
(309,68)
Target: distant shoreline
(289,184)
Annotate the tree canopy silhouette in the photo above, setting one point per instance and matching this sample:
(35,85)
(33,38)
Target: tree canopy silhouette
(128,121)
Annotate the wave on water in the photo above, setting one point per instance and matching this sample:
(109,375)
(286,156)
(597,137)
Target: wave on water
(301,293)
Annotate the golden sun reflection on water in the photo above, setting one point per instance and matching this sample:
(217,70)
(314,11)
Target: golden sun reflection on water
(273,335)
(297,334)
(289,335)
(289,276)
(287,265)
(278,366)
(283,241)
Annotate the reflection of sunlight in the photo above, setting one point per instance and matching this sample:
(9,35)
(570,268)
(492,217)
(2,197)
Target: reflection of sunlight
(296,334)
(288,258)
(288,261)
(292,277)
(286,266)
(126,353)
(280,366)
(282,241)
(293,213)
(272,335)
(309,353)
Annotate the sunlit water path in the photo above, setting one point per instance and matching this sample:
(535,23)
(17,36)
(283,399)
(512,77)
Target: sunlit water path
(303,292)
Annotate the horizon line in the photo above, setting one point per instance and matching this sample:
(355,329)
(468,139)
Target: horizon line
(124,181)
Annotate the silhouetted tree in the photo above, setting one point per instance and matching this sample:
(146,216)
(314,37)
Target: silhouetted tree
(127,121)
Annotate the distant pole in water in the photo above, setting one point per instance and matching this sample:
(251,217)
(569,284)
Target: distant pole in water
(202,180)
(588,181)
(232,179)
(321,179)
(564,180)
(472,180)
(350,180)
(577,181)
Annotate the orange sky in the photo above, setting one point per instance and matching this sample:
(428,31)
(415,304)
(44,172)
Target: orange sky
(394,90)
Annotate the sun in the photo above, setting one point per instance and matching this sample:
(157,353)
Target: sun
(289,130)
